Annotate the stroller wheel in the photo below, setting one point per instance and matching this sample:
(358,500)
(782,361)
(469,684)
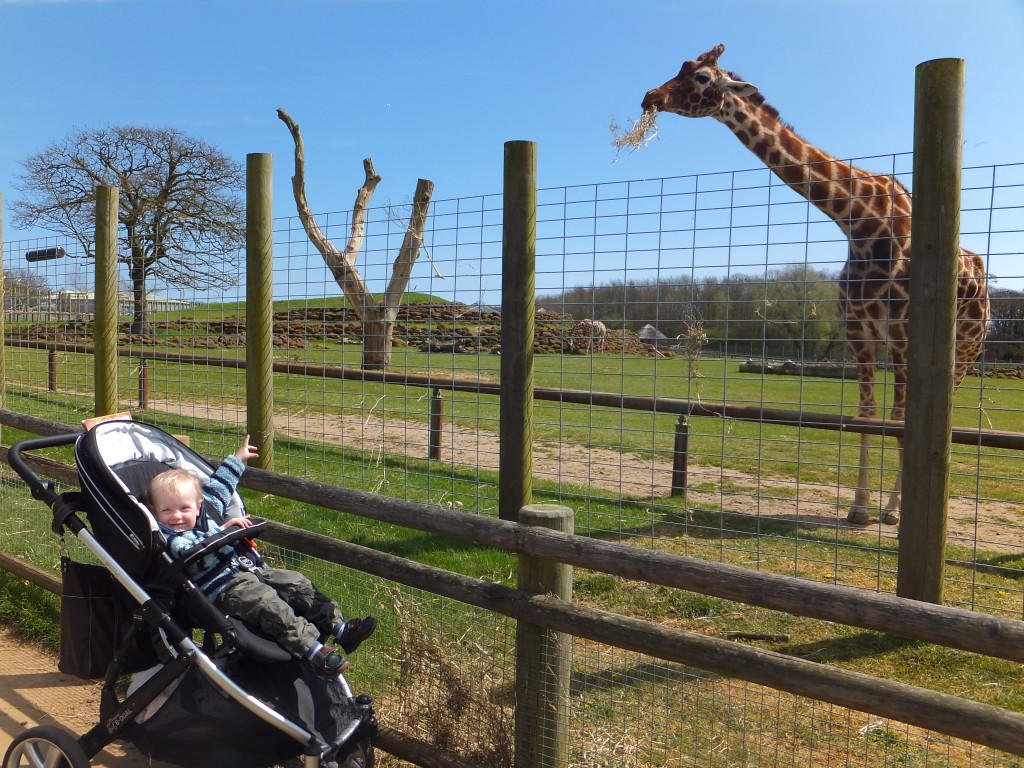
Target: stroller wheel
(360,757)
(45,745)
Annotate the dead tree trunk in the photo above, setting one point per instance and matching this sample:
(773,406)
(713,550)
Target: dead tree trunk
(377,317)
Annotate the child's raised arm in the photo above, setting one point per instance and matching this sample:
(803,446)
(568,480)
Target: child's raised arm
(247,451)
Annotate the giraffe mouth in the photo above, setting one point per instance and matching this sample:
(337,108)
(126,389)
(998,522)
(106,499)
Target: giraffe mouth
(651,102)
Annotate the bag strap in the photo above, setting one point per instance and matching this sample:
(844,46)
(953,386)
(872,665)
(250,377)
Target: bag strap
(67,505)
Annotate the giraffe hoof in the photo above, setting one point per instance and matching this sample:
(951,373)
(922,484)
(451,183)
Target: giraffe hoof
(890,518)
(858,516)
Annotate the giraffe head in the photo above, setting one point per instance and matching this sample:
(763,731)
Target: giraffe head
(699,90)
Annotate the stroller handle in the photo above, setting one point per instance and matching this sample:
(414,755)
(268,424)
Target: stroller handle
(41,489)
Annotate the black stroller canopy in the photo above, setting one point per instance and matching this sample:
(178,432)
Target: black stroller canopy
(116,460)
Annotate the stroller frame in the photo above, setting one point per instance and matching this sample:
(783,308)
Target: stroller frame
(44,744)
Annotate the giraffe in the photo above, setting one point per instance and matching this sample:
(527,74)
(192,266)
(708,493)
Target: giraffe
(872,210)
(588,335)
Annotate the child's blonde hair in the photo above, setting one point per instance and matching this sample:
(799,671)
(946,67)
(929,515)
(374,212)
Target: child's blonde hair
(174,480)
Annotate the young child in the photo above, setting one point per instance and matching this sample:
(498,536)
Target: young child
(283,603)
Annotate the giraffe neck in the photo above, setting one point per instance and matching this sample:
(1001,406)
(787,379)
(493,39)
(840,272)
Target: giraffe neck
(865,206)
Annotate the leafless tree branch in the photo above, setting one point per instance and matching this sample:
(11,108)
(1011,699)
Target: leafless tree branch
(340,263)
(377,317)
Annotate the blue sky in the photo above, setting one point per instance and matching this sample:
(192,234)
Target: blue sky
(434,89)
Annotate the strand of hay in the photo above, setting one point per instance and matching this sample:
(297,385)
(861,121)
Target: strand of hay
(639,134)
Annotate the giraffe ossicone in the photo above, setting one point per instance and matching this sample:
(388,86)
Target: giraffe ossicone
(874,212)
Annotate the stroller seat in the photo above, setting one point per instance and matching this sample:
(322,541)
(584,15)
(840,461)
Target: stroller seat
(117,460)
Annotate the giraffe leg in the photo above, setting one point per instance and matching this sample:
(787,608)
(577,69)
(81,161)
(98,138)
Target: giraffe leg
(858,513)
(891,514)
(864,354)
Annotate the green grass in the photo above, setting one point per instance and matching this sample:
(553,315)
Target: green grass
(824,554)
(33,612)
(768,450)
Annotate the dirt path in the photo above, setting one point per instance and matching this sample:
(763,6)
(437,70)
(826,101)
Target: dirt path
(624,473)
(33,692)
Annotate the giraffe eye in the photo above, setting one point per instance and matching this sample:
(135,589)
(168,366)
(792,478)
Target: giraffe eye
(702,77)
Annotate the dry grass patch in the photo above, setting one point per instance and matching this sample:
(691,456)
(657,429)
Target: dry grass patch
(451,695)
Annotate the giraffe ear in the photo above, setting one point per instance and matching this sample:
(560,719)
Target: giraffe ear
(737,87)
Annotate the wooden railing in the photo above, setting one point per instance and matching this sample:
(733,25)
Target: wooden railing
(955,628)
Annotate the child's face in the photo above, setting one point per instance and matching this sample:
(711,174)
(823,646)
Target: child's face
(177,508)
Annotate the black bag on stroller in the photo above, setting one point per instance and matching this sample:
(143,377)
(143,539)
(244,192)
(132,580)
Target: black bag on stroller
(93,618)
(240,701)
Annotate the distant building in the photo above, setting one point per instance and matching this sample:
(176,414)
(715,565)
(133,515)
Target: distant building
(652,337)
(80,305)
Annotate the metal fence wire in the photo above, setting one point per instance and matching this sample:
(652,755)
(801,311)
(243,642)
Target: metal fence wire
(716,289)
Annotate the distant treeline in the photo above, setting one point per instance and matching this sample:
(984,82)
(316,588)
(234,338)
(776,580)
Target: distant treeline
(789,313)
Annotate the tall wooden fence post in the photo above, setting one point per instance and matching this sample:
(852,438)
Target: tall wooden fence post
(935,235)
(3,347)
(518,284)
(543,656)
(105,316)
(259,306)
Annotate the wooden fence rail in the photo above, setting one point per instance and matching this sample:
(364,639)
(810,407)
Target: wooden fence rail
(965,630)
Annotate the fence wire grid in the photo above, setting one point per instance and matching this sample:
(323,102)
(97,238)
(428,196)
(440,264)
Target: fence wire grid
(717,289)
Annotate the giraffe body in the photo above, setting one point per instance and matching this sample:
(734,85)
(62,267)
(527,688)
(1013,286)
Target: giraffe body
(588,336)
(872,210)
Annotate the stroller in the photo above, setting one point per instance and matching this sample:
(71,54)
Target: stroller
(233,698)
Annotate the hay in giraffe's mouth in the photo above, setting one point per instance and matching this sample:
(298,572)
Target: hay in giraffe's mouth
(639,134)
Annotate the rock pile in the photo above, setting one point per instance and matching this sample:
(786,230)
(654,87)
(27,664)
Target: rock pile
(431,327)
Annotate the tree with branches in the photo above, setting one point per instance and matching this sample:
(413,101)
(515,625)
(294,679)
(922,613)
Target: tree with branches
(21,281)
(377,316)
(179,205)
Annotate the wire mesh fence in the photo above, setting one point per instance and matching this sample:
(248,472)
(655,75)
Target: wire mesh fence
(716,290)
(444,673)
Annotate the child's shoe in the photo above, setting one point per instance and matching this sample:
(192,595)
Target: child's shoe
(327,662)
(351,634)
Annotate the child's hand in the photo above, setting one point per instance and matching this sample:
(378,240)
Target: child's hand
(247,451)
(237,522)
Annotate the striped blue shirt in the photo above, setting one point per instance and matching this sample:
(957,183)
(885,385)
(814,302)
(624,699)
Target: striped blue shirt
(213,572)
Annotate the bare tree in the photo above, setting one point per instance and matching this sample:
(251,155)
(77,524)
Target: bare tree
(24,281)
(377,317)
(178,204)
